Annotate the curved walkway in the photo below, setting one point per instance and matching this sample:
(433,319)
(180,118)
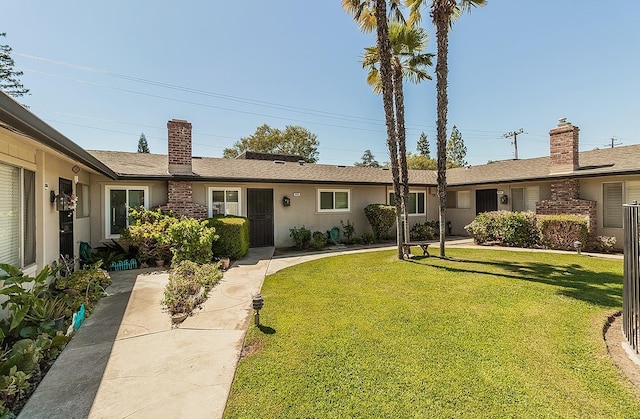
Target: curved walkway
(127,361)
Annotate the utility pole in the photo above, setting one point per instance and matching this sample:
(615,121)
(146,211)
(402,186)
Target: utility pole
(514,134)
(614,142)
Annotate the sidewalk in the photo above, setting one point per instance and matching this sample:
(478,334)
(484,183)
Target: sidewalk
(127,361)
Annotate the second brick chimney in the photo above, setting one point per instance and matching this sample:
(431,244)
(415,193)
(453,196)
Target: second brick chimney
(179,147)
(564,148)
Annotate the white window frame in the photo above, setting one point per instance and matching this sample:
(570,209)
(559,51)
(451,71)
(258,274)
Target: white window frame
(333,191)
(210,191)
(390,194)
(21,217)
(107,204)
(604,204)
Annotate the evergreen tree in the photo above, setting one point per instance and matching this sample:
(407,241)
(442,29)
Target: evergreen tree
(9,82)
(456,150)
(423,146)
(143,147)
(367,160)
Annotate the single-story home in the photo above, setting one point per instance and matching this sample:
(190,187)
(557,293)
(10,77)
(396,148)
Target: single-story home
(40,169)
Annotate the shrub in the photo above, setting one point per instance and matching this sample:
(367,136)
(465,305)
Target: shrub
(348,231)
(191,240)
(148,233)
(189,285)
(381,217)
(603,244)
(504,228)
(233,236)
(367,238)
(484,227)
(518,229)
(421,232)
(301,236)
(560,231)
(318,240)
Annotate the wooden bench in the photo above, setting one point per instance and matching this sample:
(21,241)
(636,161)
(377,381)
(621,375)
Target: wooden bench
(406,248)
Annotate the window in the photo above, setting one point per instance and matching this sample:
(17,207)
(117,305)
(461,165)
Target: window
(524,199)
(458,199)
(416,203)
(612,204)
(464,199)
(118,200)
(632,192)
(17,216)
(82,206)
(333,200)
(224,201)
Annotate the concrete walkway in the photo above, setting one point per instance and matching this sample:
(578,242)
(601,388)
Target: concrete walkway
(126,361)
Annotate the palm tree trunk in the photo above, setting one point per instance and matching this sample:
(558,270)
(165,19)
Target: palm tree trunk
(386,76)
(441,12)
(402,147)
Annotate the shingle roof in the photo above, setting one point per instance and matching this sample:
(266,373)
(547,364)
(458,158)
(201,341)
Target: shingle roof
(142,165)
(609,161)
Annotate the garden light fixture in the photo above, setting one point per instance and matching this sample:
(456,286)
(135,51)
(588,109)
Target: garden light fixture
(577,245)
(257,302)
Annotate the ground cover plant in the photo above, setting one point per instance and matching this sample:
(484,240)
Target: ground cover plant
(490,334)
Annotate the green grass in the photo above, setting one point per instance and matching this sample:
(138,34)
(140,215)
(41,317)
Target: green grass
(490,334)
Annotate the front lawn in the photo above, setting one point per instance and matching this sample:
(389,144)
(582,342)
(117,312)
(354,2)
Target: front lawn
(491,334)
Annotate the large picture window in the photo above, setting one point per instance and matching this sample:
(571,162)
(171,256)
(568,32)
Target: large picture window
(224,201)
(118,201)
(333,200)
(416,205)
(17,216)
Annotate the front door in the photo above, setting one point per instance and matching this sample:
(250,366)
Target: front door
(486,200)
(65,221)
(260,215)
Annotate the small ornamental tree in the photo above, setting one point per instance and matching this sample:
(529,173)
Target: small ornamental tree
(381,217)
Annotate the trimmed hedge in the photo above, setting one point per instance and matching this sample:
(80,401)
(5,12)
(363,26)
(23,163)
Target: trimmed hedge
(233,232)
(560,231)
(381,217)
(525,229)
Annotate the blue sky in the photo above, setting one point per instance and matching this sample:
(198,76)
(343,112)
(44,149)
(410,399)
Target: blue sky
(104,72)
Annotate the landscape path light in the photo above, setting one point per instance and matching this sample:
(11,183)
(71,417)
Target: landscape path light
(577,245)
(257,302)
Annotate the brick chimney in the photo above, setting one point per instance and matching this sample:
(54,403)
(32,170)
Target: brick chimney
(564,148)
(180,191)
(179,132)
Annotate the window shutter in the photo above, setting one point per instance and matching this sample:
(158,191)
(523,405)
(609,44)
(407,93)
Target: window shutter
(612,194)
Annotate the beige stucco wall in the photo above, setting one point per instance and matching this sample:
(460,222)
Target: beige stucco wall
(49,166)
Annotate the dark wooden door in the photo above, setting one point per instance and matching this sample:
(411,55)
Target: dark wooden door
(65,186)
(260,215)
(486,200)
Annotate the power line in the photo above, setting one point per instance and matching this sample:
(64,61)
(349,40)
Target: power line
(514,134)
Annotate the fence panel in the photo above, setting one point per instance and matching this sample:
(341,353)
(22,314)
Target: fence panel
(631,284)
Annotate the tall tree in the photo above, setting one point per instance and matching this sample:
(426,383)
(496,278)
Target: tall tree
(293,140)
(408,61)
(420,162)
(443,13)
(367,160)
(456,150)
(9,78)
(372,14)
(423,146)
(143,146)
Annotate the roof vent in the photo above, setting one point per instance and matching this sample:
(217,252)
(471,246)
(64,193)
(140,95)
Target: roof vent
(385,168)
(301,162)
(278,161)
(341,165)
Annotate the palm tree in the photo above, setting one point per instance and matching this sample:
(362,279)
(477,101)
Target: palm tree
(408,61)
(443,14)
(370,14)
